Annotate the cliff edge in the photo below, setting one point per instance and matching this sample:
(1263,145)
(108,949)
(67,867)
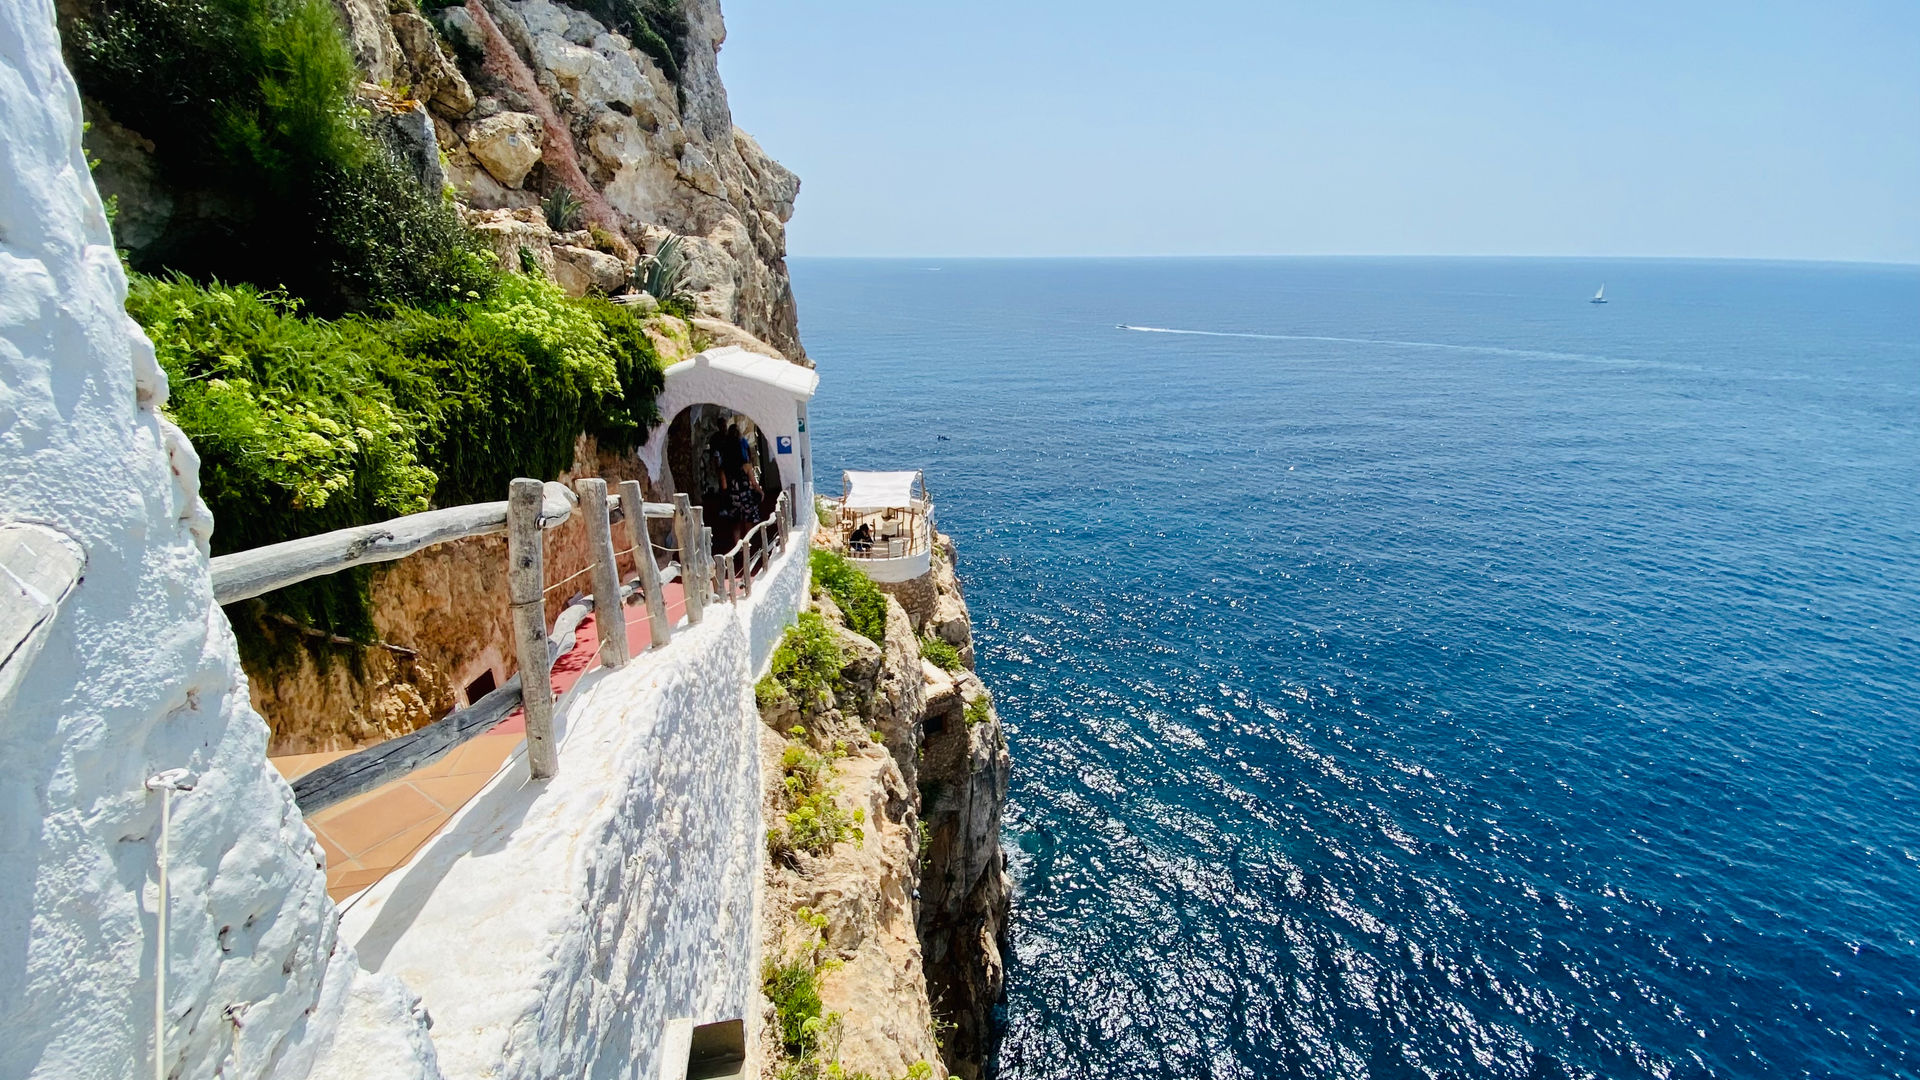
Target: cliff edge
(886,890)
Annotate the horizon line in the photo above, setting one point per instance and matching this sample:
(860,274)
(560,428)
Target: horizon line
(1901,263)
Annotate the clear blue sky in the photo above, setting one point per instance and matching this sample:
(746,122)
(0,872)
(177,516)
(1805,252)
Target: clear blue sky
(1745,129)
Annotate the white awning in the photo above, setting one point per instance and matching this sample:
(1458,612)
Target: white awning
(880,490)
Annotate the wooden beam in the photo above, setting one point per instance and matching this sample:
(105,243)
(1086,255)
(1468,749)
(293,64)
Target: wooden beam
(525,582)
(246,574)
(642,543)
(364,770)
(617,505)
(609,618)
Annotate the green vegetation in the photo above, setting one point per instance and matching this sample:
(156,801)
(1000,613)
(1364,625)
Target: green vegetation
(979,709)
(808,1033)
(815,821)
(563,209)
(805,667)
(663,274)
(249,106)
(943,655)
(858,598)
(656,27)
(306,425)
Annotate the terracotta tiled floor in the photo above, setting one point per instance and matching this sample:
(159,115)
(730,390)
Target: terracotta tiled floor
(371,834)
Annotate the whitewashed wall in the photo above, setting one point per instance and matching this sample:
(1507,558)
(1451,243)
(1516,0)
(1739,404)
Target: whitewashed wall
(553,929)
(772,393)
(136,674)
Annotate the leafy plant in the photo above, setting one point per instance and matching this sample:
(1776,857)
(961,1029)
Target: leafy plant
(297,422)
(979,710)
(563,209)
(808,1034)
(806,665)
(249,105)
(306,425)
(943,655)
(864,605)
(663,274)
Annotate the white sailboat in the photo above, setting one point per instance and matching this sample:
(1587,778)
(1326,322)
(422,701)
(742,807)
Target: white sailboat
(1599,296)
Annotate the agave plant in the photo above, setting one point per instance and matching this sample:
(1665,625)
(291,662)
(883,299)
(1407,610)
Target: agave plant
(563,209)
(663,274)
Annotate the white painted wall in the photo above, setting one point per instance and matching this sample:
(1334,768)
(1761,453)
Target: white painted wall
(554,928)
(772,393)
(137,673)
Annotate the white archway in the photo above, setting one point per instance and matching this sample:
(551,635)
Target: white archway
(771,393)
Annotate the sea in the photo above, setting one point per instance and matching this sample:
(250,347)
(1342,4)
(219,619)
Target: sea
(1412,669)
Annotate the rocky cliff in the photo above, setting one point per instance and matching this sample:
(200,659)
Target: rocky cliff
(901,918)
(505,102)
(528,96)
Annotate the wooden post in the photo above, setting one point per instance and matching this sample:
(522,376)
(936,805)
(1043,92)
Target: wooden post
(704,563)
(781,510)
(649,569)
(525,582)
(610,621)
(686,533)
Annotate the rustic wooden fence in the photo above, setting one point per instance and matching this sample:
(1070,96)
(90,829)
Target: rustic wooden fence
(530,509)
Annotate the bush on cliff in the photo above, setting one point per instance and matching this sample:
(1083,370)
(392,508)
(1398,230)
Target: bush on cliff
(656,27)
(858,598)
(943,655)
(805,667)
(272,166)
(305,425)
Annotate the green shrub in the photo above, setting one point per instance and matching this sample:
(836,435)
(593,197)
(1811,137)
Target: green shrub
(656,27)
(817,822)
(620,420)
(306,425)
(814,820)
(563,209)
(858,598)
(979,709)
(943,655)
(806,664)
(249,106)
(808,1033)
(296,421)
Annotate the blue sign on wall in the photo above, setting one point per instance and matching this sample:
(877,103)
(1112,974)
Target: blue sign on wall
(783,443)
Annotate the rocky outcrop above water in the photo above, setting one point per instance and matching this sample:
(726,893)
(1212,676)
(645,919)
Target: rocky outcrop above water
(915,912)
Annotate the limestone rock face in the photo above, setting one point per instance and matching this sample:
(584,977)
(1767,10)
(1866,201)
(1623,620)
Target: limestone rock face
(665,159)
(436,79)
(583,270)
(507,144)
(963,790)
(943,779)
(865,891)
(371,37)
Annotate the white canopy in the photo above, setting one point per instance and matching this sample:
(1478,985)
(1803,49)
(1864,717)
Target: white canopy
(880,490)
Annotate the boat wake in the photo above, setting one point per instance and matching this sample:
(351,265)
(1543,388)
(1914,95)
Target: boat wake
(1384,342)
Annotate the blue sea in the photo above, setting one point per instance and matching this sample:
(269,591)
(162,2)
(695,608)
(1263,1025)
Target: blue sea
(1414,670)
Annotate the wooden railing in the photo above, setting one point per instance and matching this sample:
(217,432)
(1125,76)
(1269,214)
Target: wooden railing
(530,509)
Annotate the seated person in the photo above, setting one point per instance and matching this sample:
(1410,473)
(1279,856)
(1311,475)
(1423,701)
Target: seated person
(861,542)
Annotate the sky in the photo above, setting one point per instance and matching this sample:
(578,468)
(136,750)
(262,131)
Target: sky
(1693,128)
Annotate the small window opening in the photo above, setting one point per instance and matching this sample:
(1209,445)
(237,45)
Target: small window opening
(481,686)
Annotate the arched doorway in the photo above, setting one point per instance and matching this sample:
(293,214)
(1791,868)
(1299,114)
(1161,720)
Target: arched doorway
(713,454)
